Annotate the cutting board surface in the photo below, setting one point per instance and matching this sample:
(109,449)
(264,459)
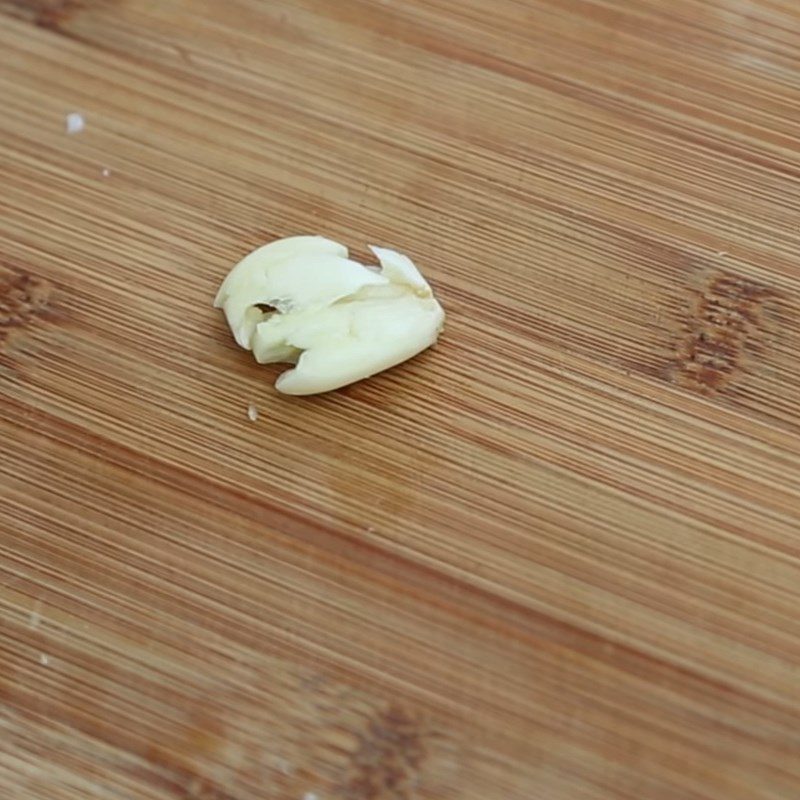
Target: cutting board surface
(556,557)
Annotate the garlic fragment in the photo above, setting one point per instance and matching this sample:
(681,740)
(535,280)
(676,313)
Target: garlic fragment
(337,320)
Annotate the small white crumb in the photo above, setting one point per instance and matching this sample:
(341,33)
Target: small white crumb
(722,253)
(106,172)
(75,123)
(36,615)
(44,660)
(284,766)
(310,796)
(252,413)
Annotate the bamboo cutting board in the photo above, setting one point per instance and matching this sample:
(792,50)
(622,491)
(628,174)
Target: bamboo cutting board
(557,557)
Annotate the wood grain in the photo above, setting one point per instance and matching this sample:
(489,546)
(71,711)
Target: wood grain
(555,558)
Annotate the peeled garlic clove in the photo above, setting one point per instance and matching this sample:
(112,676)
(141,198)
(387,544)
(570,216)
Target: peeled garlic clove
(365,338)
(336,319)
(259,260)
(248,285)
(294,284)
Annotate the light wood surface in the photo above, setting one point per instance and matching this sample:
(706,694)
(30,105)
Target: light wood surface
(557,557)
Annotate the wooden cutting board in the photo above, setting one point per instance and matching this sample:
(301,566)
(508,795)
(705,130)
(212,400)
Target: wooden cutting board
(557,557)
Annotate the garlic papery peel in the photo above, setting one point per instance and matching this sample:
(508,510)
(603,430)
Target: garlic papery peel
(337,320)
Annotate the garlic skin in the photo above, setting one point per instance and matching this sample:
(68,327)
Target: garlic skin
(337,320)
